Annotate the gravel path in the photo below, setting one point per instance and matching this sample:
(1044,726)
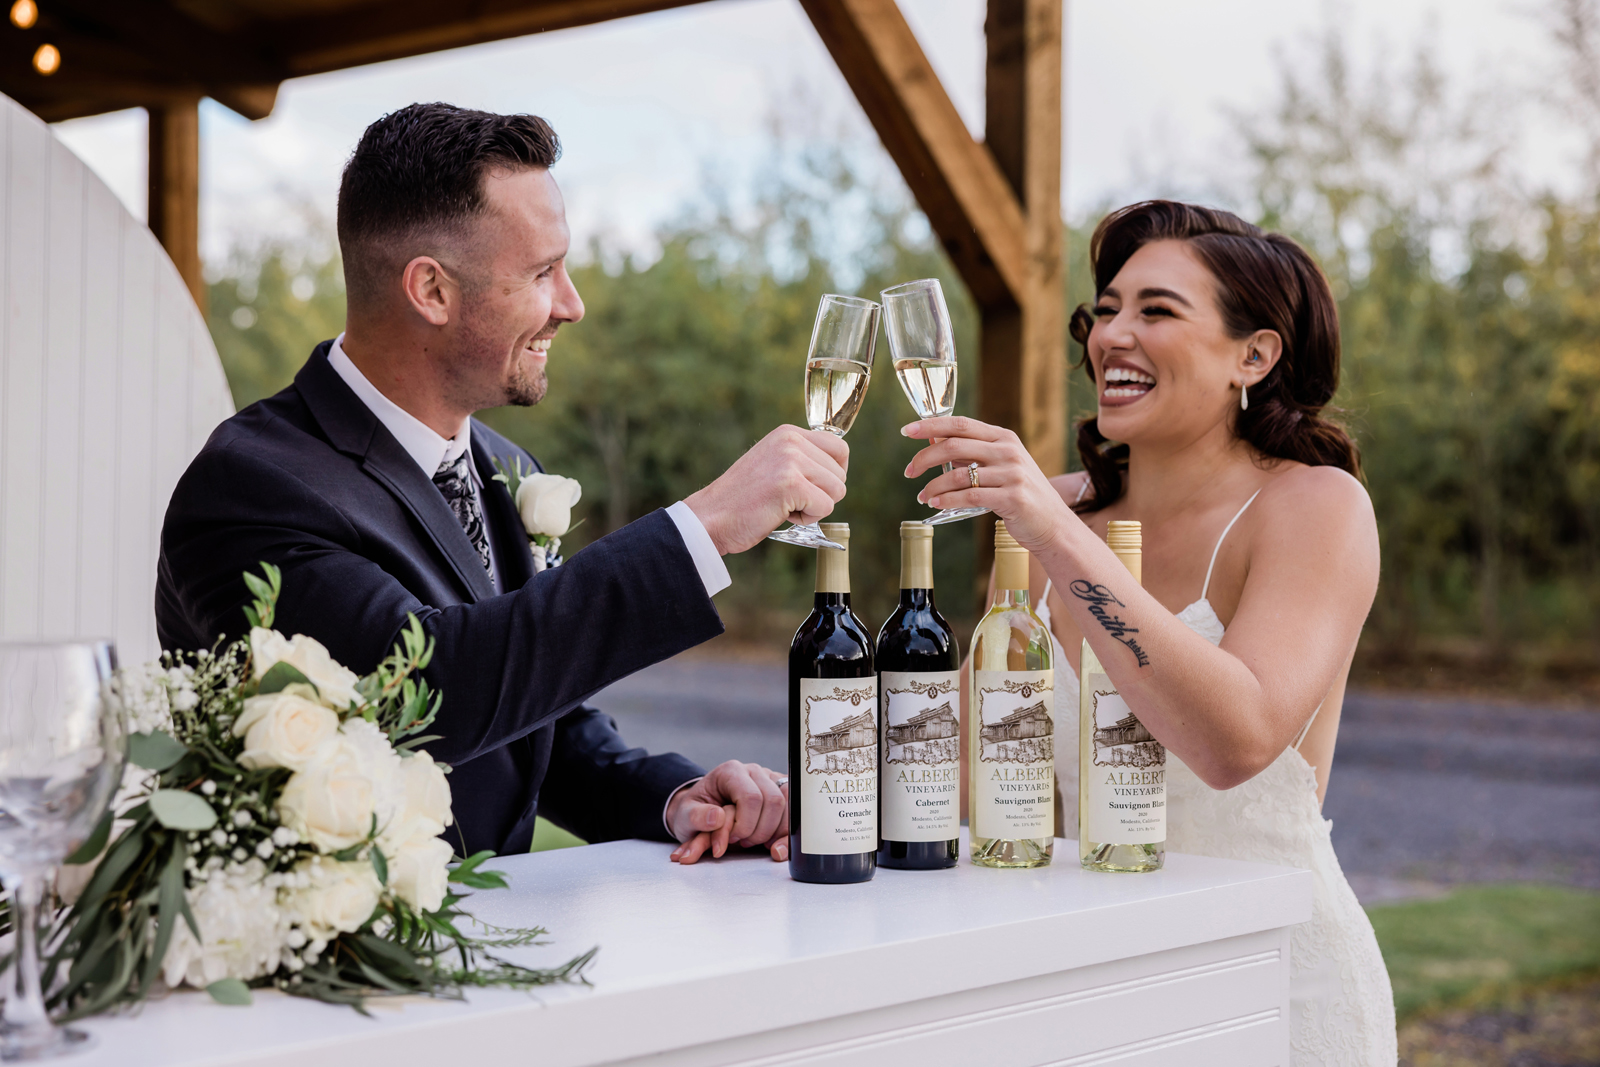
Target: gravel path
(1425,791)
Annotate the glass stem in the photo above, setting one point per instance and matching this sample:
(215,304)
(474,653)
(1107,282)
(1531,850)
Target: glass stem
(25,1010)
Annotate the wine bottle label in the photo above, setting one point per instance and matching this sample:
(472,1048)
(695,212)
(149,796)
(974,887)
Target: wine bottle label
(1125,783)
(839,776)
(1014,781)
(921,779)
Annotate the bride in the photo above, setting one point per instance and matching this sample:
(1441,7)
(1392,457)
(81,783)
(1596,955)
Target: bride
(1214,347)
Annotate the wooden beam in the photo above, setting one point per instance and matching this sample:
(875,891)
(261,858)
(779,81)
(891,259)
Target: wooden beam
(968,202)
(174,204)
(373,33)
(134,53)
(1024,348)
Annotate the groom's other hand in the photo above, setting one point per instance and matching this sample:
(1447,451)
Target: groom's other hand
(736,804)
(791,475)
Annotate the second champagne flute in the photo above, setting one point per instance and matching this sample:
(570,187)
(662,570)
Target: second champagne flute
(924,351)
(838,368)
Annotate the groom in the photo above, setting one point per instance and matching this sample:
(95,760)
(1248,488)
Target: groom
(368,482)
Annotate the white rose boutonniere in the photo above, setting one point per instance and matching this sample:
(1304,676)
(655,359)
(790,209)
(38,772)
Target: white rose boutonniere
(545,502)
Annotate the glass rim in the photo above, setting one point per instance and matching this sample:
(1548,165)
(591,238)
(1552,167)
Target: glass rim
(909,288)
(64,642)
(849,301)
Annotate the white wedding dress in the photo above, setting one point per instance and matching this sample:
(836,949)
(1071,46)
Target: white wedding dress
(1342,1007)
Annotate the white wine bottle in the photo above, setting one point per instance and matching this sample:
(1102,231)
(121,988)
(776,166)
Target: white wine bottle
(1122,770)
(833,732)
(1011,723)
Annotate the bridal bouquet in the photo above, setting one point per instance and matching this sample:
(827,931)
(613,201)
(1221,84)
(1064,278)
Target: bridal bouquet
(278,826)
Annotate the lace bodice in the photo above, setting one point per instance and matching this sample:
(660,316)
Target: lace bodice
(1341,1001)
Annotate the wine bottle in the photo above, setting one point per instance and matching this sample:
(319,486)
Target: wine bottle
(1011,723)
(919,665)
(833,732)
(1122,770)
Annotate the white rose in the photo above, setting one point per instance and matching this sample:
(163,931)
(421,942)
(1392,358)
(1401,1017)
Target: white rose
(283,730)
(339,898)
(424,802)
(332,801)
(419,872)
(242,929)
(545,501)
(336,684)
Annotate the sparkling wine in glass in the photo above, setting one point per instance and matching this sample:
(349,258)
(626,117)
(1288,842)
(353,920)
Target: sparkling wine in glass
(62,747)
(838,369)
(924,351)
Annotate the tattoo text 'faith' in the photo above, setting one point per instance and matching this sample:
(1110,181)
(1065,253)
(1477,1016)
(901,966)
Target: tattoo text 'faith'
(1097,597)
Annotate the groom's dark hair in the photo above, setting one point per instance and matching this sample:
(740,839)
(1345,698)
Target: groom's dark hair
(415,181)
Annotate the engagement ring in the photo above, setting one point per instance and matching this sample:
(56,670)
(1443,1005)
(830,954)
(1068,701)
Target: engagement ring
(972,474)
(781,782)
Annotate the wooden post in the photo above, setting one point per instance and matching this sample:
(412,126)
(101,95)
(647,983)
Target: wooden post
(1024,342)
(174,195)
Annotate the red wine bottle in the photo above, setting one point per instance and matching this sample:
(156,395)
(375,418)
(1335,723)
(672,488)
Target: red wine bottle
(919,664)
(833,732)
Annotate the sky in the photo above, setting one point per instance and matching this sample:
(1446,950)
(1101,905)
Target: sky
(648,107)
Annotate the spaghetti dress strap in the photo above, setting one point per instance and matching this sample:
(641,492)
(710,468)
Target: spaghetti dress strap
(1306,729)
(1206,588)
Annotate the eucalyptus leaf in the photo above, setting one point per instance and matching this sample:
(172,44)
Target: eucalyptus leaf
(155,751)
(95,843)
(178,810)
(280,676)
(230,991)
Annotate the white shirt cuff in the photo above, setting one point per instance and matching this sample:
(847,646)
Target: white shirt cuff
(665,807)
(707,560)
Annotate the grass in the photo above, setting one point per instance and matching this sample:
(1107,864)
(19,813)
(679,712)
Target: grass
(547,835)
(1480,944)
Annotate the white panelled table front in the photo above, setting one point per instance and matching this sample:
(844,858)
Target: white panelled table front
(731,962)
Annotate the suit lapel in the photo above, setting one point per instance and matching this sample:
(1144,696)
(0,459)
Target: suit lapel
(511,554)
(353,429)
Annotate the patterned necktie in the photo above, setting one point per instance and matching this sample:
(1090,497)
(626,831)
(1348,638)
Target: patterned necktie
(455,483)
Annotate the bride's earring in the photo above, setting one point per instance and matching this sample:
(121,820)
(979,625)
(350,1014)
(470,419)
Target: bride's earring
(1244,397)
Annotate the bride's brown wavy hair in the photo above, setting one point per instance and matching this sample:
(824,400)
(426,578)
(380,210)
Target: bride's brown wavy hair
(1265,281)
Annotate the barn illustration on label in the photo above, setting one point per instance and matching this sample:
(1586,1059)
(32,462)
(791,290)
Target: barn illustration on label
(1016,727)
(1120,739)
(842,731)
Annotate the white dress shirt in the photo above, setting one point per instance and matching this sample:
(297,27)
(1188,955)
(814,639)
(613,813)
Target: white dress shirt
(430,451)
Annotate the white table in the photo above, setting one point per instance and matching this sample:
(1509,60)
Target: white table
(733,963)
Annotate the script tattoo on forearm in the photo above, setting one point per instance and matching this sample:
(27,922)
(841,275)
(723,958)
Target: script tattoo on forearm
(1098,597)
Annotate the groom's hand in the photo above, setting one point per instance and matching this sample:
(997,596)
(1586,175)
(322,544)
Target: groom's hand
(791,475)
(736,804)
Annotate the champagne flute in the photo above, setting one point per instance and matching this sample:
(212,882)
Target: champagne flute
(924,352)
(62,747)
(838,368)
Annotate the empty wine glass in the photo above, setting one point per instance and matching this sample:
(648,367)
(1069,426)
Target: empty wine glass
(62,746)
(838,369)
(924,352)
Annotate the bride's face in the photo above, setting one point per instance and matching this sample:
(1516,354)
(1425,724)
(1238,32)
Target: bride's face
(1164,363)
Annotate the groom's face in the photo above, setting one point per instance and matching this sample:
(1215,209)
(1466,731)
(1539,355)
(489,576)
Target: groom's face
(519,295)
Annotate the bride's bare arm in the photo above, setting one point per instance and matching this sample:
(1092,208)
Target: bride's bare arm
(1228,711)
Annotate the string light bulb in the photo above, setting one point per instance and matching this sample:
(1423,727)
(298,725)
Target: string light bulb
(24,13)
(47,60)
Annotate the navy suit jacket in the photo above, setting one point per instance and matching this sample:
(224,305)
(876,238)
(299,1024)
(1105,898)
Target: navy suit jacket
(311,481)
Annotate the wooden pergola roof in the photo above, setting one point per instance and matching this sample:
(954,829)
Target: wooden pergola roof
(994,204)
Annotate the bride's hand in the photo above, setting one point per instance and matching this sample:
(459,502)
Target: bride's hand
(1010,483)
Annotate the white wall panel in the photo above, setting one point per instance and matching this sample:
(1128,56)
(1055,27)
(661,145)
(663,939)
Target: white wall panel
(109,385)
